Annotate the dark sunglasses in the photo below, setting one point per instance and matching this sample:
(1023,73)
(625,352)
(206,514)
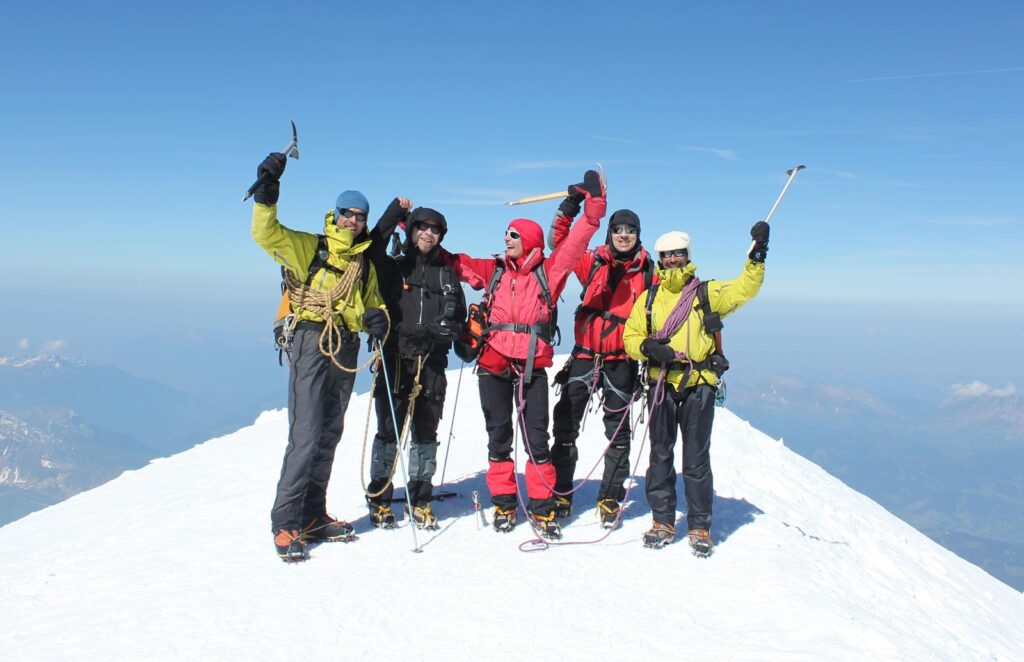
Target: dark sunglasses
(512,234)
(423,226)
(360,216)
(679,252)
(623,229)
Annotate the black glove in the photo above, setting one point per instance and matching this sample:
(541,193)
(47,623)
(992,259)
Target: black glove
(759,233)
(272,168)
(443,329)
(591,184)
(570,207)
(658,351)
(375,323)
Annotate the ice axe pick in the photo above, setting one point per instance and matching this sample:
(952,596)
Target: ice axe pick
(291,149)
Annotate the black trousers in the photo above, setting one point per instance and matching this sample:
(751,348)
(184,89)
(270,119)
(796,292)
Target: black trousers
(318,395)
(616,379)
(499,398)
(425,420)
(691,411)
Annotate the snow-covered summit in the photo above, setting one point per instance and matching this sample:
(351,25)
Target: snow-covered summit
(175,561)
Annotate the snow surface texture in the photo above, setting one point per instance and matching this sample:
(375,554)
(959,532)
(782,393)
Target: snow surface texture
(175,561)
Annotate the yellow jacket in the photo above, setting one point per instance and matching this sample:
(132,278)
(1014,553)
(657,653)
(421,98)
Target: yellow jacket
(724,296)
(295,251)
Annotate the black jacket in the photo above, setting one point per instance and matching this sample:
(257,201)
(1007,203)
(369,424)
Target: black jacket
(424,298)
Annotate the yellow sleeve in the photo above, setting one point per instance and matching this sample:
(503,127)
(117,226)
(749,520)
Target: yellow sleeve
(727,296)
(289,248)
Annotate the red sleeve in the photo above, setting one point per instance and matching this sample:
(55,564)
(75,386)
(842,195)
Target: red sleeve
(560,229)
(567,255)
(475,272)
(583,267)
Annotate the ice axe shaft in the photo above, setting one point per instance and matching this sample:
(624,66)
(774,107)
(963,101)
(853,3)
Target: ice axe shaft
(555,196)
(291,149)
(537,198)
(767,219)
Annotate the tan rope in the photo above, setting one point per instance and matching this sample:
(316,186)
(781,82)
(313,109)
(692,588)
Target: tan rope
(321,303)
(406,424)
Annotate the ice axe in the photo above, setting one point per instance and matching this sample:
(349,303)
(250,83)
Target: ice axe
(553,196)
(767,219)
(291,149)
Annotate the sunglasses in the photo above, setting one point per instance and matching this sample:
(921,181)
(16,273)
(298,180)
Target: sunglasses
(423,226)
(679,252)
(359,215)
(512,234)
(623,229)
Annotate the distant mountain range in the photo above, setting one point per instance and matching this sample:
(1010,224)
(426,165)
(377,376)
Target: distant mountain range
(953,466)
(67,425)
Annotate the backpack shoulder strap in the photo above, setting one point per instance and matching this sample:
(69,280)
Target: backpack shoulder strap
(712,321)
(499,269)
(652,292)
(545,289)
(598,261)
(648,273)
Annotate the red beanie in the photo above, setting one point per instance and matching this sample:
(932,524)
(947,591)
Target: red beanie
(531,233)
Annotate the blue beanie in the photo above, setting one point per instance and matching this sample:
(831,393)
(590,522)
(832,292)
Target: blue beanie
(352,200)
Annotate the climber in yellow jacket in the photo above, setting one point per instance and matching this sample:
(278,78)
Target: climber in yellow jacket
(332,294)
(674,327)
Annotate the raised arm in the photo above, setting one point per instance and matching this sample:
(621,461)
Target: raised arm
(396,212)
(289,248)
(727,296)
(566,256)
(475,272)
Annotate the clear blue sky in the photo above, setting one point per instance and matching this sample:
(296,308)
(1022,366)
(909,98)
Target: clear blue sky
(131,132)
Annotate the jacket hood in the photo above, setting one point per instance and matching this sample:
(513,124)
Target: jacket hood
(430,216)
(531,233)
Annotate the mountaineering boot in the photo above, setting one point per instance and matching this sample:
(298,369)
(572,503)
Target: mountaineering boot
(504,519)
(608,510)
(546,526)
(423,518)
(563,506)
(381,516)
(328,529)
(290,547)
(659,535)
(700,543)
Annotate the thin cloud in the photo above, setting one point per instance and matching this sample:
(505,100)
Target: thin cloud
(977,389)
(545,165)
(727,154)
(476,197)
(53,345)
(23,343)
(613,139)
(969,222)
(939,74)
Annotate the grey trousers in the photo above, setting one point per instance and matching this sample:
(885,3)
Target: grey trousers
(318,395)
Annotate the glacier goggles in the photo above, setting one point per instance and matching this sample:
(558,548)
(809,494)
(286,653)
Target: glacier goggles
(512,234)
(348,213)
(678,252)
(424,226)
(623,229)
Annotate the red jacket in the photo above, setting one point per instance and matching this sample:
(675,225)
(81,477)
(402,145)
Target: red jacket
(594,332)
(517,298)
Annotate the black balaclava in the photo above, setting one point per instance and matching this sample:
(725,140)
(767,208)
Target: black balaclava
(430,216)
(623,217)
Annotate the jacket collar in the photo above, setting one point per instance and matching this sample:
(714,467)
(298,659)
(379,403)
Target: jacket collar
(673,280)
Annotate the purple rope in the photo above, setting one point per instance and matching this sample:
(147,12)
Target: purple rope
(680,313)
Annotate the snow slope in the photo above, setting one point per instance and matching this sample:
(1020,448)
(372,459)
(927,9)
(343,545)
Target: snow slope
(174,561)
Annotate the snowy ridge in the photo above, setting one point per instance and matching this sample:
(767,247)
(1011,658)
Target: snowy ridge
(174,561)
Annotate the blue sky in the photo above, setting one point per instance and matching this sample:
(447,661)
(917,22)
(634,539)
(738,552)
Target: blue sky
(132,131)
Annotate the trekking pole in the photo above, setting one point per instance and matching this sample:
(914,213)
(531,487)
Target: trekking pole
(401,455)
(451,429)
(767,219)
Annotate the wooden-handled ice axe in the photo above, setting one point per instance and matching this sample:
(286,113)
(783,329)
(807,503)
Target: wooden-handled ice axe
(291,149)
(767,219)
(554,196)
